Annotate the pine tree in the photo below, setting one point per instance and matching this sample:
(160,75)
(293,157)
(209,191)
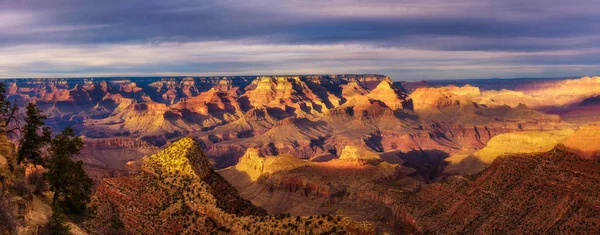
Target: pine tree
(35,137)
(71,185)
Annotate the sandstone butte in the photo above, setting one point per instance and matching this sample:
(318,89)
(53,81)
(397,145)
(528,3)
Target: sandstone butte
(287,94)
(178,192)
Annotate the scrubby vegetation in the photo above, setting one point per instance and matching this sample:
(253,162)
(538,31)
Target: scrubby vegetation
(554,192)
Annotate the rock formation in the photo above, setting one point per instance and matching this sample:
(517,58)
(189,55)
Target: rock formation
(177,191)
(285,184)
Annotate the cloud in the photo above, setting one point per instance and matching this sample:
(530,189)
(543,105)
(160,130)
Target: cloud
(424,39)
(246,57)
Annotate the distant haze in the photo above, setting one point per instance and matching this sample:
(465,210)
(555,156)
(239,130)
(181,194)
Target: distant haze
(404,39)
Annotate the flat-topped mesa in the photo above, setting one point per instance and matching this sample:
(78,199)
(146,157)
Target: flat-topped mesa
(255,165)
(442,97)
(360,154)
(391,95)
(129,87)
(184,158)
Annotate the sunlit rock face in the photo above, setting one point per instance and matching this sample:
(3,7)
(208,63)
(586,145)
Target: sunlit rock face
(391,95)
(255,165)
(443,97)
(289,94)
(355,153)
(543,94)
(502,144)
(585,141)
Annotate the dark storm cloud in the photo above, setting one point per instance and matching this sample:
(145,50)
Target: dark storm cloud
(460,25)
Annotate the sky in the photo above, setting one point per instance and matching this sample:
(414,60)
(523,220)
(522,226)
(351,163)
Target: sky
(404,39)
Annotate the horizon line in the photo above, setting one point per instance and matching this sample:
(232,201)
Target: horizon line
(285,75)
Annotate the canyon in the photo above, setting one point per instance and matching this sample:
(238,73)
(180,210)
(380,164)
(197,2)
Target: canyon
(377,156)
(310,117)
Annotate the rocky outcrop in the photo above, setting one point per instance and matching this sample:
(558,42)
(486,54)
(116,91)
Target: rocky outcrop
(177,191)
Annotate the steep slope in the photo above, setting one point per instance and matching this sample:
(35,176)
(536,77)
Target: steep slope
(547,193)
(178,192)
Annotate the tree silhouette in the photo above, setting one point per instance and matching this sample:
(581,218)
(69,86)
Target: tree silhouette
(71,185)
(35,136)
